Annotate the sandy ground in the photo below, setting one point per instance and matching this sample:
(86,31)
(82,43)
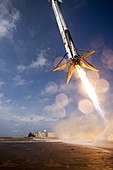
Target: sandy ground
(25,154)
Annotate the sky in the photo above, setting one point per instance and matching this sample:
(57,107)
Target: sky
(32,96)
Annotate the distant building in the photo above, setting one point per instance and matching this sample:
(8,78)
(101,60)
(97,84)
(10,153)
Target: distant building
(31,134)
(41,134)
(51,135)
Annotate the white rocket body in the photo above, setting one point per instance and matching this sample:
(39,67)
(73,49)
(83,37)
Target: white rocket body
(74,58)
(66,37)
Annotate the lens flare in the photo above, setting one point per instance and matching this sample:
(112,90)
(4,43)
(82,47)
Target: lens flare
(90,91)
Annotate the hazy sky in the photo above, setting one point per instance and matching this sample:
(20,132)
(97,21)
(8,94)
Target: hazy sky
(32,97)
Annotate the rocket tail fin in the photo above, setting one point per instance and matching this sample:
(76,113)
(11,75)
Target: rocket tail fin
(61,66)
(70,72)
(86,64)
(70,69)
(87,54)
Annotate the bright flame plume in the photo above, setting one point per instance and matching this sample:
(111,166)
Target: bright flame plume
(90,91)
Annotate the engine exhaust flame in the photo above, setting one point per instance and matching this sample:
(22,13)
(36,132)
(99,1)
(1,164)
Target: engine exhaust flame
(90,91)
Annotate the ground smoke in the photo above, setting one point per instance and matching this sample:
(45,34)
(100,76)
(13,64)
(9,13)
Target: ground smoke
(82,127)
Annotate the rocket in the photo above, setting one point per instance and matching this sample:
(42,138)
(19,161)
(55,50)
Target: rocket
(74,58)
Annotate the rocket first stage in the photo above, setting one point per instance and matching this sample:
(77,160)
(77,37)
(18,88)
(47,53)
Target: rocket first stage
(74,58)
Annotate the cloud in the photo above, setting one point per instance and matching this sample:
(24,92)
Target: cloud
(2,65)
(9,16)
(54,111)
(21,68)
(31,119)
(50,89)
(1,83)
(18,119)
(28,97)
(1,95)
(10,111)
(67,88)
(39,62)
(18,81)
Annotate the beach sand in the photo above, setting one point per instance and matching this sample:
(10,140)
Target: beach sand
(28,154)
